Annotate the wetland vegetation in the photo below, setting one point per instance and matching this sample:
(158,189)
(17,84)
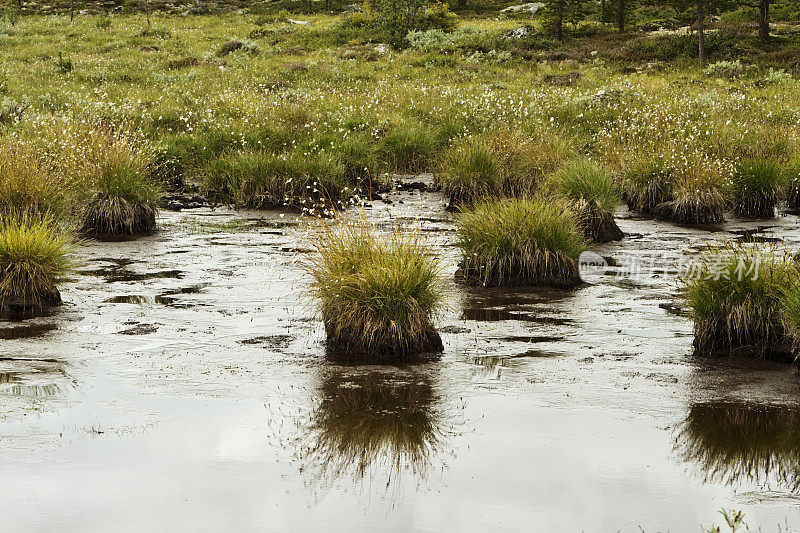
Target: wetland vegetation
(425,174)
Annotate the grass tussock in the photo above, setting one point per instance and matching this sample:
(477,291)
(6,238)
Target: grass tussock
(520,241)
(647,184)
(755,187)
(27,186)
(124,199)
(745,300)
(33,256)
(498,164)
(594,196)
(314,183)
(791,177)
(377,294)
(698,197)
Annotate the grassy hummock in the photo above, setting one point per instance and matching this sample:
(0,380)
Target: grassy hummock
(521,241)
(791,177)
(33,256)
(594,197)
(744,300)
(697,199)
(755,187)
(647,184)
(124,201)
(498,164)
(378,294)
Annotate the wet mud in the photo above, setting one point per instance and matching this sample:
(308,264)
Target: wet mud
(186,380)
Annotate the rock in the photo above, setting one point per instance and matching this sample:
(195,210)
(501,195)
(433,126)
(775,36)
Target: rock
(532,8)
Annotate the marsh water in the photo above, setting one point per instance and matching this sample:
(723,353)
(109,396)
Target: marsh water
(185,386)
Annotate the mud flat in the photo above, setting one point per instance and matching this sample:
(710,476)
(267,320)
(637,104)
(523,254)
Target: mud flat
(185,381)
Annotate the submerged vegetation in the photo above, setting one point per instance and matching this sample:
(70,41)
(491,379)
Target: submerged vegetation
(378,294)
(520,241)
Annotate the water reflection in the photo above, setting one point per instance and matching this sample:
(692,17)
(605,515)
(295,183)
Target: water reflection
(33,379)
(375,425)
(736,443)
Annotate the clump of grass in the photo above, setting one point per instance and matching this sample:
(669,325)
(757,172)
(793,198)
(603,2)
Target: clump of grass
(498,164)
(33,256)
(791,177)
(410,148)
(520,241)
(588,187)
(378,294)
(755,187)
(738,298)
(486,165)
(314,183)
(646,184)
(698,199)
(124,200)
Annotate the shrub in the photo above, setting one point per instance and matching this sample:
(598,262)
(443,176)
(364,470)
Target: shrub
(234,45)
(392,20)
(520,241)
(378,295)
(593,195)
(725,69)
(647,184)
(737,298)
(33,256)
(124,200)
(755,187)
(315,182)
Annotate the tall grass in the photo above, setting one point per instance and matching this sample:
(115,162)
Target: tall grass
(377,294)
(756,186)
(33,257)
(124,200)
(646,184)
(520,241)
(738,299)
(264,180)
(594,196)
(27,186)
(498,163)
